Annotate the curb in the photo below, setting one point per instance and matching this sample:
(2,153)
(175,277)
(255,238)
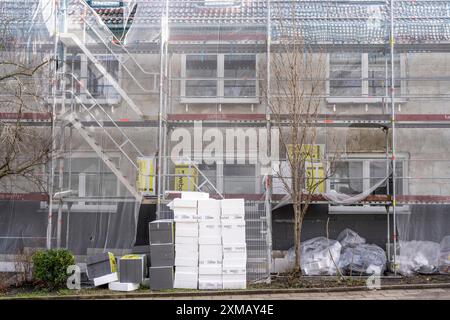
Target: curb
(226,293)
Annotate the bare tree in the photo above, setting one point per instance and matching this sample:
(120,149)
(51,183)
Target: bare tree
(25,149)
(294,95)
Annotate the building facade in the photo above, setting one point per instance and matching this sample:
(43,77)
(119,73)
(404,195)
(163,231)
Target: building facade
(158,88)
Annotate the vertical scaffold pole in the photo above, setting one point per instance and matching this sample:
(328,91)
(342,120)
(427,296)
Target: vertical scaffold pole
(394,202)
(164,38)
(268,182)
(53,137)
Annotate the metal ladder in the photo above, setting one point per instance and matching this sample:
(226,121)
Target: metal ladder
(72,40)
(80,10)
(72,117)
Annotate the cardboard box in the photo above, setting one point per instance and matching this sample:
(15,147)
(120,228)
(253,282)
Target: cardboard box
(186,249)
(180,215)
(235,263)
(185,280)
(210,254)
(209,229)
(186,229)
(234,281)
(161,231)
(161,278)
(233,231)
(187,240)
(186,255)
(234,251)
(187,269)
(233,270)
(186,261)
(215,269)
(131,268)
(143,250)
(210,282)
(112,277)
(232,207)
(210,240)
(208,210)
(239,217)
(120,286)
(162,255)
(189,206)
(191,195)
(100,264)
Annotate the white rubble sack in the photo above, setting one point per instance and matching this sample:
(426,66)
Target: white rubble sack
(444,256)
(363,259)
(418,257)
(348,237)
(319,256)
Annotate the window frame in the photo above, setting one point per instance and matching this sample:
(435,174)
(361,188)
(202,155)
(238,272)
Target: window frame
(367,158)
(81,206)
(220,81)
(364,97)
(83,77)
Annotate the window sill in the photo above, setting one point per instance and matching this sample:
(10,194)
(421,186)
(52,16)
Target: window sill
(111,101)
(362,100)
(220,100)
(88,208)
(366,209)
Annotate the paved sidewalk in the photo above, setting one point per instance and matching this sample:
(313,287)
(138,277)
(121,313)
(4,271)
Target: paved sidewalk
(410,294)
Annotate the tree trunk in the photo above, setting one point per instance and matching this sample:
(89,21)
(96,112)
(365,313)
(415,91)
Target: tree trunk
(297,235)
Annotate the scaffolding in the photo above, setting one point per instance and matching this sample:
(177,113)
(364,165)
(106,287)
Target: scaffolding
(124,80)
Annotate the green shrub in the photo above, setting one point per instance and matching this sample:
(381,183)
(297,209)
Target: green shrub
(50,266)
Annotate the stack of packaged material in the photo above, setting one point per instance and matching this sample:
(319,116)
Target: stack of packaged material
(161,235)
(132,272)
(234,264)
(210,244)
(444,257)
(186,239)
(102,268)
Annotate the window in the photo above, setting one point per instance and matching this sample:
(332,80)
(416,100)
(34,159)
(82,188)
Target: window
(355,175)
(345,74)
(239,179)
(90,178)
(358,173)
(361,78)
(223,78)
(91,78)
(104,3)
(380,68)
(221,3)
(201,67)
(97,84)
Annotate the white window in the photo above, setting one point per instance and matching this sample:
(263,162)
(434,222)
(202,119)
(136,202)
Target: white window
(360,172)
(362,77)
(239,178)
(222,78)
(91,84)
(221,3)
(90,178)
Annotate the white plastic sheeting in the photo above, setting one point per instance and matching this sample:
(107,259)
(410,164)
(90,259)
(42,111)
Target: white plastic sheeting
(363,259)
(444,256)
(319,256)
(348,237)
(418,257)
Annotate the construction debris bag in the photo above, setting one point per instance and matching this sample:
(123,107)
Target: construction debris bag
(348,237)
(418,257)
(319,256)
(444,256)
(363,259)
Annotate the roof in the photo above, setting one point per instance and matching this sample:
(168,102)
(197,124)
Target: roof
(319,21)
